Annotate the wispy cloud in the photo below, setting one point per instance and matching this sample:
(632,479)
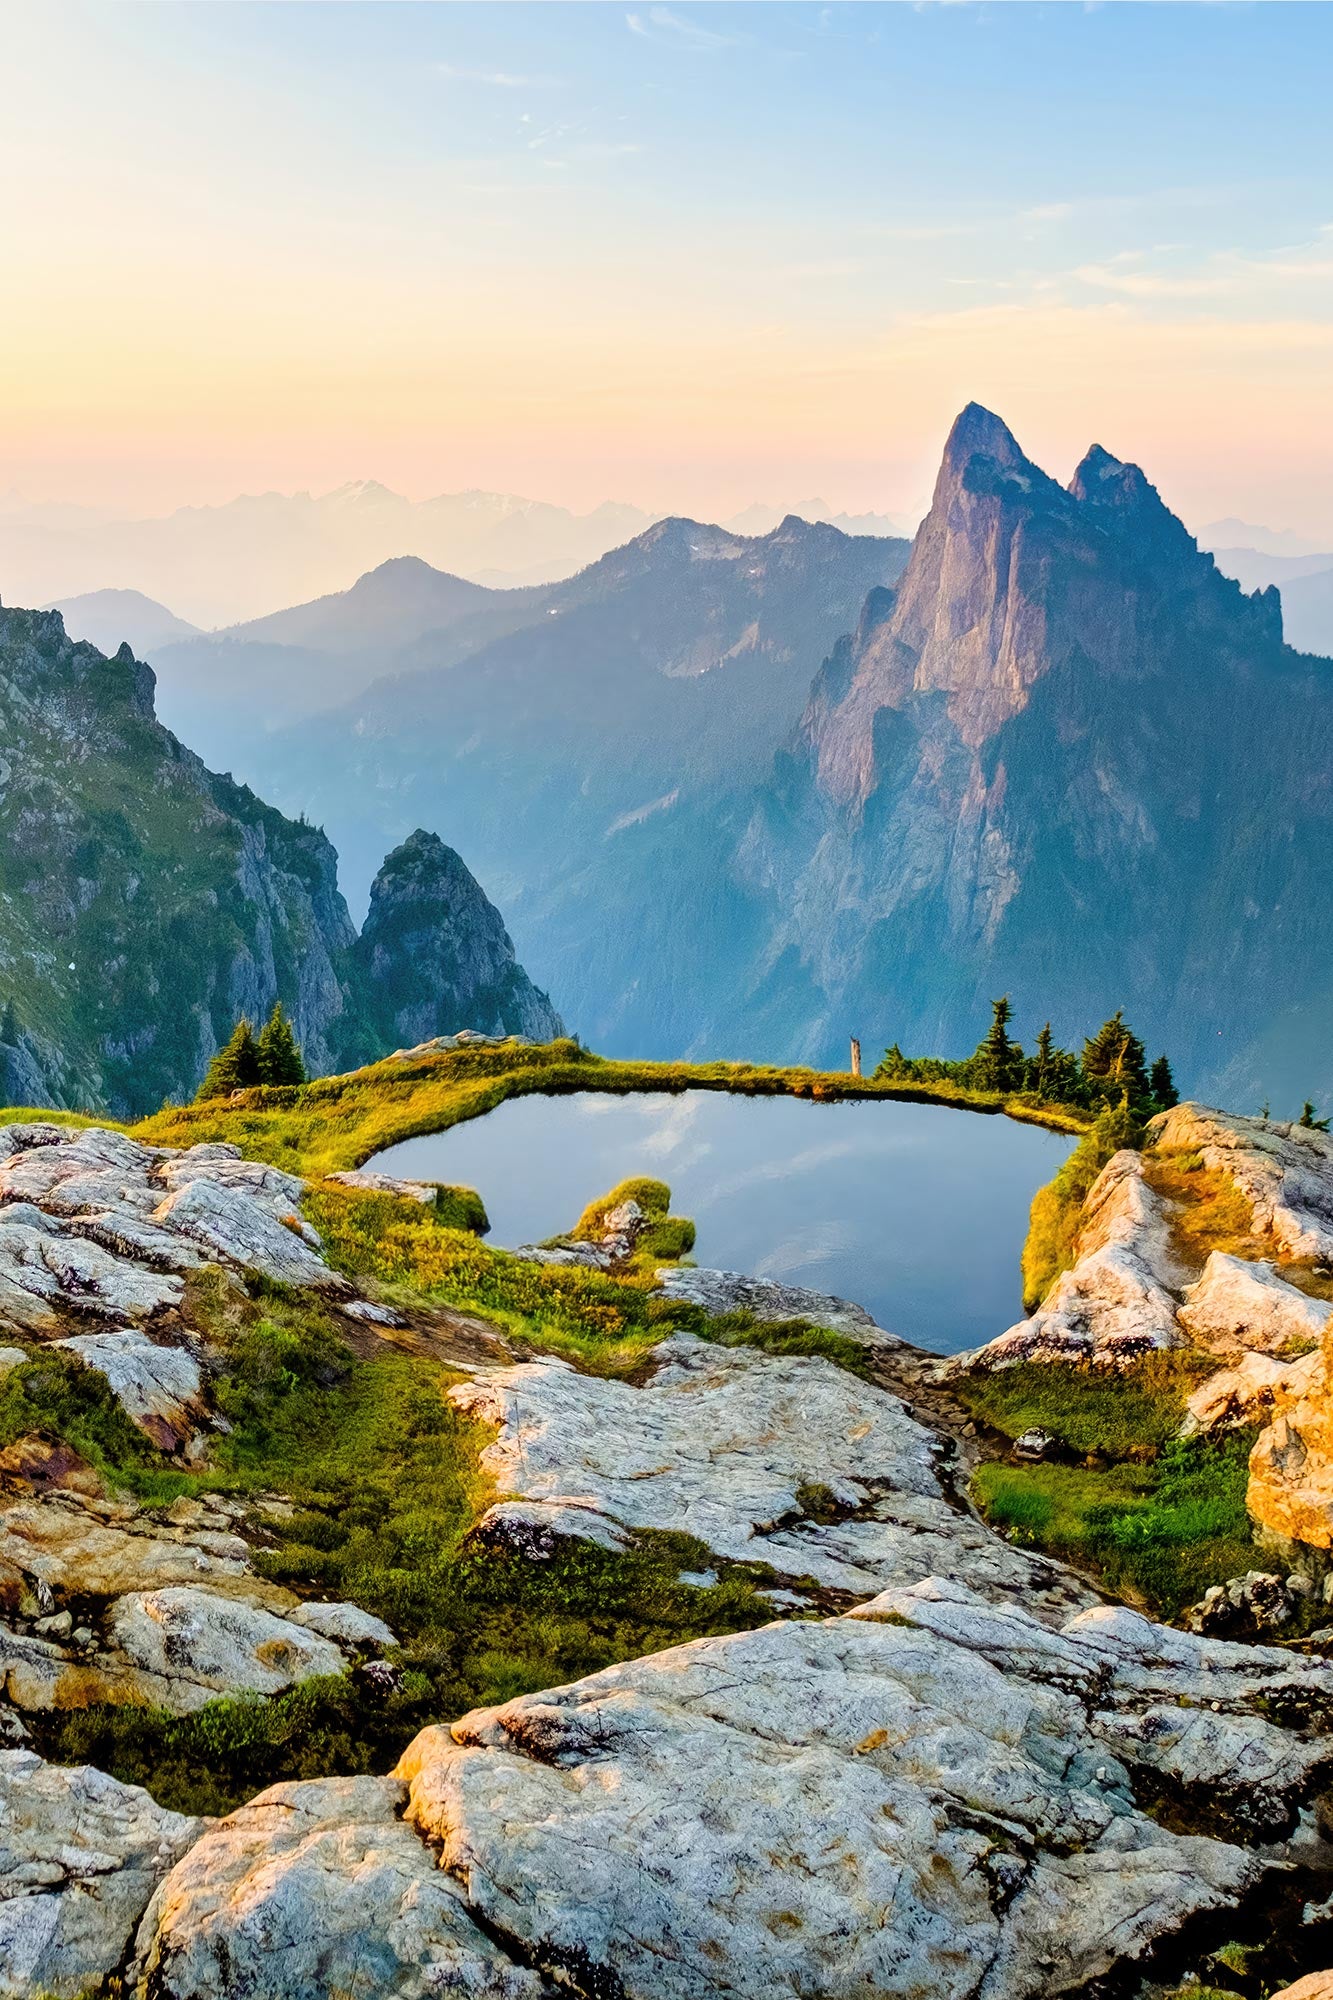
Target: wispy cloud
(661,24)
(498,79)
(1137,284)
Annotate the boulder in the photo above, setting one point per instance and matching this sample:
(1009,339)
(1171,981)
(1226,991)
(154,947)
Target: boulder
(330,1872)
(726,1445)
(185,1647)
(1238,1305)
(1116,1301)
(1284,1171)
(928,1797)
(728,1291)
(159,1388)
(1314,1986)
(1247,1393)
(95,1225)
(80,1856)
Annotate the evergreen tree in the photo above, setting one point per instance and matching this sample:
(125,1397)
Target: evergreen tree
(1113,1061)
(234,1067)
(1308,1119)
(9,1025)
(892,1063)
(1042,1064)
(277,1052)
(1162,1085)
(998,1063)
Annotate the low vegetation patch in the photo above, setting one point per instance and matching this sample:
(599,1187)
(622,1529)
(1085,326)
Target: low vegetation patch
(1157,1518)
(1207,1210)
(384,1481)
(340,1121)
(1109,1411)
(1056,1208)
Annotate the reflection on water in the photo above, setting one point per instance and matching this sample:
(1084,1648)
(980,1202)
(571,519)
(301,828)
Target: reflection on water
(915,1211)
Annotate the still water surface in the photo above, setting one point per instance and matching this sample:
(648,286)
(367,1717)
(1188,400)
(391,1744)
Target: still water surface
(915,1211)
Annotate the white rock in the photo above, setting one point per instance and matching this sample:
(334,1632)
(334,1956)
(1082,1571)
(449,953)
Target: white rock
(366,1181)
(187,1646)
(12,1358)
(319,1889)
(1284,1171)
(94,1224)
(159,1388)
(80,1855)
(1245,1393)
(532,1528)
(718,1444)
(1115,1303)
(1237,1304)
(347,1624)
(230,1225)
(930,1798)
(729,1291)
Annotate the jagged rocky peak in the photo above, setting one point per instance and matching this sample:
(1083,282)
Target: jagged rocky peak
(436,957)
(1012,575)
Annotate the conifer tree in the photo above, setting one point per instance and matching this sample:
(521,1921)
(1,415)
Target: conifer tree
(1162,1085)
(998,1062)
(277,1052)
(1308,1119)
(1040,1067)
(234,1067)
(1113,1060)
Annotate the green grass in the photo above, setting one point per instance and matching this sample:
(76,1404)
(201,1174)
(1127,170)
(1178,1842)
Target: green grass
(1158,1533)
(386,1484)
(1153,1516)
(1108,1410)
(340,1121)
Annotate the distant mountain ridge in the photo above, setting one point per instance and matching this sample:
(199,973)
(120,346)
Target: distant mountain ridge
(223,565)
(146,902)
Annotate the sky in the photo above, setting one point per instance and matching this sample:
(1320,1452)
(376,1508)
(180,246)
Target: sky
(689,256)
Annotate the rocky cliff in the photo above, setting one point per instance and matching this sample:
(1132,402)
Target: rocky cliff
(146,902)
(434,955)
(1070,744)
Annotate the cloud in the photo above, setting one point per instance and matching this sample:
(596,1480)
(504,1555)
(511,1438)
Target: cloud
(499,79)
(1133,284)
(659,24)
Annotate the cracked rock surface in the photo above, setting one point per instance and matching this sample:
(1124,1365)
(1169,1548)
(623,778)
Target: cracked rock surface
(930,1797)
(80,1855)
(719,1443)
(95,1226)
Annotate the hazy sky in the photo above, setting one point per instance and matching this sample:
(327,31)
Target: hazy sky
(684,255)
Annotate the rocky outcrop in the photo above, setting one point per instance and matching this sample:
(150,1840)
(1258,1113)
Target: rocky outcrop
(95,1226)
(720,1292)
(1238,1305)
(735,1446)
(1247,1393)
(931,1797)
(1284,1171)
(107,1601)
(355,1894)
(1115,1303)
(80,1855)
(1290,1493)
(434,956)
(159,1387)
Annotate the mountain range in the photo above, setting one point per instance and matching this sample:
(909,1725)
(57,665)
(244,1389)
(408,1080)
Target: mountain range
(220,565)
(146,903)
(1060,752)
